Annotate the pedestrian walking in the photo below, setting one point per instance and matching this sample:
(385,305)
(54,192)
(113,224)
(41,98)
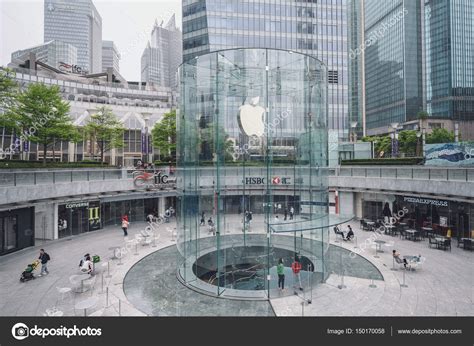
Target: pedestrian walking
(285,215)
(296,268)
(44,258)
(203,220)
(281,274)
(125,224)
(292,213)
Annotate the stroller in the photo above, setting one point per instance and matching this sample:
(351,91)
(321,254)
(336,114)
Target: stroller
(27,274)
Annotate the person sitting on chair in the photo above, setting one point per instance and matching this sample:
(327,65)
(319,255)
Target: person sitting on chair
(338,231)
(396,255)
(350,233)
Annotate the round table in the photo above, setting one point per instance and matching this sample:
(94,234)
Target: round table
(86,304)
(379,244)
(76,279)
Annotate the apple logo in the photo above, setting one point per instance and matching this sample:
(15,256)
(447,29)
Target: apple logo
(252,118)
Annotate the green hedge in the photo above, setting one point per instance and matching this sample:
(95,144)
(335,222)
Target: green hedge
(406,161)
(11,164)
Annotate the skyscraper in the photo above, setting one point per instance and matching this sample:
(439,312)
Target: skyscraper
(449,46)
(355,39)
(162,55)
(317,28)
(110,56)
(393,63)
(78,23)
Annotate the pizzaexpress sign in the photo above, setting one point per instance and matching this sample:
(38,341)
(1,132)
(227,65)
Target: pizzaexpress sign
(417,200)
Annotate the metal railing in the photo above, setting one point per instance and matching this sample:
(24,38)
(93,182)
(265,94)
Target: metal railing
(39,177)
(411,173)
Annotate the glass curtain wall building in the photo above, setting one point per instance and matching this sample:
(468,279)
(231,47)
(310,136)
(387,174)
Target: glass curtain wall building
(51,53)
(163,55)
(252,182)
(449,43)
(393,63)
(78,23)
(317,28)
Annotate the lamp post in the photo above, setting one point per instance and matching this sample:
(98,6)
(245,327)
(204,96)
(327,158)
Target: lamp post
(353,135)
(418,136)
(373,149)
(394,137)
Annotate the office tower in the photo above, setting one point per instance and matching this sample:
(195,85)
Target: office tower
(110,56)
(162,55)
(355,39)
(317,28)
(449,47)
(52,53)
(393,63)
(78,23)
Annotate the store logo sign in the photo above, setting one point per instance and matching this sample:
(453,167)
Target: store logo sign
(77,205)
(417,200)
(274,181)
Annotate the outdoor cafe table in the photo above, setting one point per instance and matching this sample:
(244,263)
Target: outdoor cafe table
(75,279)
(87,304)
(412,234)
(379,244)
(389,229)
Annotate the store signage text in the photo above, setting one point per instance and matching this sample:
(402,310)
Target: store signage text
(77,205)
(71,68)
(430,201)
(274,181)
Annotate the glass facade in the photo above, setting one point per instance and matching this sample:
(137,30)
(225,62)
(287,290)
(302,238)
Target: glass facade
(163,55)
(393,63)
(78,23)
(317,28)
(252,183)
(449,44)
(51,53)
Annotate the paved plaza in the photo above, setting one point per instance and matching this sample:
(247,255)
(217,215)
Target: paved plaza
(443,286)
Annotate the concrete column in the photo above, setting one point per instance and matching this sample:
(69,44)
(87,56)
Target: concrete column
(346,203)
(46,221)
(70,152)
(358,205)
(161,205)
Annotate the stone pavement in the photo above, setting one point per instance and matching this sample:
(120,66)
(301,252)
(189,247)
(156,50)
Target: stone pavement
(442,287)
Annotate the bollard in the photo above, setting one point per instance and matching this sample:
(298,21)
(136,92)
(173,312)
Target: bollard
(403,284)
(108,270)
(102,283)
(107,297)
(120,307)
(120,259)
(372,285)
(393,265)
(376,256)
(154,240)
(355,247)
(136,249)
(341,286)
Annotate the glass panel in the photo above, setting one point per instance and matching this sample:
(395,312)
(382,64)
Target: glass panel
(252,160)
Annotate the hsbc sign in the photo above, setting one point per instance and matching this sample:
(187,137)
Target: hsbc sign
(273,181)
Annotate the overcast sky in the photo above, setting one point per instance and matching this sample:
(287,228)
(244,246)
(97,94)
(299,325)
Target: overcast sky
(127,23)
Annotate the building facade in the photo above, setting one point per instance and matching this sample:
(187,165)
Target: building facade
(135,106)
(317,28)
(110,56)
(52,53)
(162,55)
(78,23)
(449,44)
(393,63)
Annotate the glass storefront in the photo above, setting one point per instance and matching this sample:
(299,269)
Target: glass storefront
(252,148)
(16,229)
(78,217)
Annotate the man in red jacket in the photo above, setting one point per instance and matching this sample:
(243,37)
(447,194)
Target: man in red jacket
(296,268)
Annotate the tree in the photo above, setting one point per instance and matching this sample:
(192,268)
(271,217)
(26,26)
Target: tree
(440,135)
(408,141)
(41,116)
(382,144)
(164,135)
(104,129)
(8,93)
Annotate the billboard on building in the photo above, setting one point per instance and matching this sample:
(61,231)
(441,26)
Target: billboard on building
(459,154)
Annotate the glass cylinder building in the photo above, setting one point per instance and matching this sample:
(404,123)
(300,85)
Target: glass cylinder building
(252,178)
